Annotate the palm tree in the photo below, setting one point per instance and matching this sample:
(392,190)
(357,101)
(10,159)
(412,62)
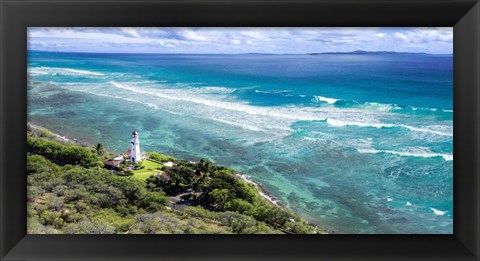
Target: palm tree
(100,149)
(204,166)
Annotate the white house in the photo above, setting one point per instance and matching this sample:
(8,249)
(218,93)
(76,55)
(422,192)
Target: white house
(168,164)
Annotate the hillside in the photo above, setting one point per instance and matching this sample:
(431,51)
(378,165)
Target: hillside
(70,191)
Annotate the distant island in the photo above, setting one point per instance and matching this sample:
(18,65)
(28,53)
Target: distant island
(75,189)
(360,52)
(366,52)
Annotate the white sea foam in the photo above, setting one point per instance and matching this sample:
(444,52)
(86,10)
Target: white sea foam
(244,126)
(427,109)
(292,114)
(438,212)
(427,130)
(378,125)
(267,197)
(325,99)
(274,120)
(248,180)
(75,71)
(414,152)
(62,71)
(37,72)
(216,89)
(396,107)
(151,105)
(277,92)
(408,204)
(254,118)
(382,106)
(341,123)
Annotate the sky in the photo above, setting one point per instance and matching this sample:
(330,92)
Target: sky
(240,40)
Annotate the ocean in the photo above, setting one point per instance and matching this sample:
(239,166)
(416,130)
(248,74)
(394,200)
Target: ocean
(358,143)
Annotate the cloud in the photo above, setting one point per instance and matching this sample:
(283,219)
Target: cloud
(130,31)
(425,35)
(402,37)
(235,42)
(241,40)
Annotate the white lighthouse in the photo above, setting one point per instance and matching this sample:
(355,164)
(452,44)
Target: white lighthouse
(135,155)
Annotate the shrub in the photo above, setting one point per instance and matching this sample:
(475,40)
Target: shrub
(63,153)
(160,157)
(89,227)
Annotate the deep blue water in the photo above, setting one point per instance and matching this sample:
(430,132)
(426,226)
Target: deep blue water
(359,143)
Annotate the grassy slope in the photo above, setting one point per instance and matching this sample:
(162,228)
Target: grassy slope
(150,168)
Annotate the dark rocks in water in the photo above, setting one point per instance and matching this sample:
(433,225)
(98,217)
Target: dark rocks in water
(397,220)
(294,198)
(312,205)
(65,114)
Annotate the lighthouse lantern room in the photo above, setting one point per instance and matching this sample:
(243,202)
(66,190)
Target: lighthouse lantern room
(135,155)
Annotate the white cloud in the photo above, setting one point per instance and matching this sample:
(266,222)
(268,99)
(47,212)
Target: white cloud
(425,35)
(402,36)
(207,40)
(193,36)
(235,42)
(130,31)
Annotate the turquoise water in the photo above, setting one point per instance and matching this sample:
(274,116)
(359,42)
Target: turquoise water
(359,143)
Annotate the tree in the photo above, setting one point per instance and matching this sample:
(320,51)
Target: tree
(100,149)
(63,154)
(218,197)
(204,166)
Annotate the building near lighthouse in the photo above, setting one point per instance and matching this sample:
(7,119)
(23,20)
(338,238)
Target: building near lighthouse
(135,154)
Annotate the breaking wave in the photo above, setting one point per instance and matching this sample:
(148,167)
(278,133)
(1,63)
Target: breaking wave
(37,71)
(216,89)
(376,106)
(325,99)
(413,153)
(341,123)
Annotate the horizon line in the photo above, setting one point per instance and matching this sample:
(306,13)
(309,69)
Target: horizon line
(309,53)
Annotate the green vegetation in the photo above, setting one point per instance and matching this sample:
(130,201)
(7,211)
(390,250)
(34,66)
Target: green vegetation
(217,189)
(159,157)
(70,192)
(146,169)
(63,154)
(75,199)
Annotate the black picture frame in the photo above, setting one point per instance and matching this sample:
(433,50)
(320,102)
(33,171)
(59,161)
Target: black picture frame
(17,15)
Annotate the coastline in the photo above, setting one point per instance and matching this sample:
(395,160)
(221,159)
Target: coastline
(58,137)
(50,133)
(268,196)
(260,189)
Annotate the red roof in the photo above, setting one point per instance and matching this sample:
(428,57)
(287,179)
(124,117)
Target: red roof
(113,163)
(163,175)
